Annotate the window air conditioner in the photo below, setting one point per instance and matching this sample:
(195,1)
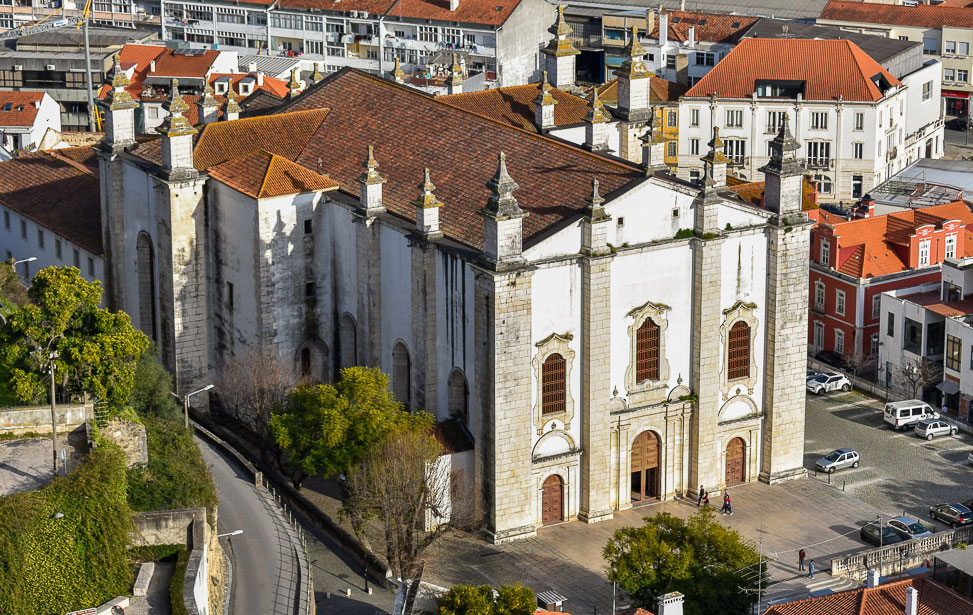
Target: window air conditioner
(18,67)
(354,13)
(49,67)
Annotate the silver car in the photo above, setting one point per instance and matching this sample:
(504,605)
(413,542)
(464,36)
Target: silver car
(930,428)
(837,459)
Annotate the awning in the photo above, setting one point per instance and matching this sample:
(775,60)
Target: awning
(948,387)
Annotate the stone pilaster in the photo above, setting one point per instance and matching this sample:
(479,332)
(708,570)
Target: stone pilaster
(110,171)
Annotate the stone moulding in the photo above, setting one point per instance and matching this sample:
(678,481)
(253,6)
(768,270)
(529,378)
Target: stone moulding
(647,391)
(739,311)
(555,343)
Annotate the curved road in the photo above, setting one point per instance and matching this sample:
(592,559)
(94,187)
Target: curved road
(264,563)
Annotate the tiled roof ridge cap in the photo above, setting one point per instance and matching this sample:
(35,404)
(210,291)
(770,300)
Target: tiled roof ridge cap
(70,161)
(572,147)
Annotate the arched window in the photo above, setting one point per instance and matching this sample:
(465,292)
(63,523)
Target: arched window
(458,395)
(306,363)
(738,351)
(145,266)
(553,385)
(647,351)
(349,341)
(402,375)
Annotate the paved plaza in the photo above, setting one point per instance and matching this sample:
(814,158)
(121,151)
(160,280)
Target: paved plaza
(25,463)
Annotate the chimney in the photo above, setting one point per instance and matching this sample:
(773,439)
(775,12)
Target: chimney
(260,79)
(649,21)
(37,104)
(252,67)
(692,36)
(911,601)
(453,5)
(871,578)
(663,30)
(152,66)
(670,604)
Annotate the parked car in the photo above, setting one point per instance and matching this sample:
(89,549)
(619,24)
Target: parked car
(811,373)
(837,459)
(823,383)
(930,428)
(870,533)
(958,123)
(833,358)
(909,528)
(953,514)
(907,413)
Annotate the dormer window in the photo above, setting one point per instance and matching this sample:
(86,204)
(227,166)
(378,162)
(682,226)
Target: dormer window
(779,88)
(220,87)
(246,88)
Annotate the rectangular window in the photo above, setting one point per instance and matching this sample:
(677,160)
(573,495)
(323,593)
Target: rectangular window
(671,61)
(819,120)
(913,336)
(924,253)
(734,118)
(308,226)
(229,295)
(735,150)
(57,248)
(91,266)
(859,120)
(951,246)
(819,294)
(825,257)
(6,220)
(930,46)
(857,186)
(40,239)
(671,149)
(312,46)
(774,120)
(671,119)
(694,117)
(890,331)
(949,47)
(451,36)
(839,302)
(949,74)
(818,153)
(873,349)
(77,259)
(962,75)
(857,151)
(962,49)
(954,352)
(309,289)
(839,341)
(694,147)
(819,335)
(876,305)
(23,229)
(429,34)
(927,90)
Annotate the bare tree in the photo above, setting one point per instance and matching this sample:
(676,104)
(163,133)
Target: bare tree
(917,374)
(401,489)
(253,384)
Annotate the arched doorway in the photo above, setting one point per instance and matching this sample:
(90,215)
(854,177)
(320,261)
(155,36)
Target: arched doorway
(552,500)
(645,467)
(734,462)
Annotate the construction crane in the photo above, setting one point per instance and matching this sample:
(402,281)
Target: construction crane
(94,118)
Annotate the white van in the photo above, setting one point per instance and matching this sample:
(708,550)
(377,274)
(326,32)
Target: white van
(902,414)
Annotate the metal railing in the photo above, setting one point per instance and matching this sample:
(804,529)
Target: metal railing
(900,556)
(305,578)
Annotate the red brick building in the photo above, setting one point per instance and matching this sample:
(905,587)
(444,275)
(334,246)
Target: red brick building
(853,262)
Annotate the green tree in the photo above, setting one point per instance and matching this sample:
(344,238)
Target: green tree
(699,557)
(479,600)
(152,389)
(97,350)
(12,292)
(324,429)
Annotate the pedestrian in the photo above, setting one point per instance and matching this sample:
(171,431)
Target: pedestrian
(727,508)
(699,500)
(800,559)
(810,569)
(706,498)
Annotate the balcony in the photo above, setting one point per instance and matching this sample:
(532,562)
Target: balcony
(820,163)
(892,154)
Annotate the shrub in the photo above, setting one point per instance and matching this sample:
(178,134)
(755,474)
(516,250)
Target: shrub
(479,600)
(178,607)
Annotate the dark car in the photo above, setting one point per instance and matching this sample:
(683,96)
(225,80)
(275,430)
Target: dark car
(869,533)
(958,123)
(953,514)
(832,358)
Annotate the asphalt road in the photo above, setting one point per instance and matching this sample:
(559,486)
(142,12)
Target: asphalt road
(957,137)
(262,558)
(899,471)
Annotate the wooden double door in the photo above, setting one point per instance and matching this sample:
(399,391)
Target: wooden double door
(735,462)
(552,500)
(646,477)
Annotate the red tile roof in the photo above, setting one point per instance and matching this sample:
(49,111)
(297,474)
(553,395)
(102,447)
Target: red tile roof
(867,246)
(514,105)
(411,130)
(933,302)
(710,27)
(660,90)
(956,14)
(263,175)
(829,68)
(888,599)
(487,12)
(56,195)
(141,56)
(22,110)
(753,193)
(275,86)
(178,64)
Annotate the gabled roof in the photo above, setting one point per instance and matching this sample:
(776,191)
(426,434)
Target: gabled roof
(22,110)
(178,64)
(888,599)
(411,130)
(710,27)
(866,247)
(486,12)
(275,86)
(956,14)
(141,56)
(56,194)
(514,105)
(828,68)
(264,175)
(660,90)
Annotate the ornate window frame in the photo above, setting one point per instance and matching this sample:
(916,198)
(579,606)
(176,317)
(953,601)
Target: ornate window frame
(647,390)
(739,311)
(555,343)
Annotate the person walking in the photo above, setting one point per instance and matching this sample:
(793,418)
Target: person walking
(800,559)
(706,498)
(727,508)
(702,493)
(810,569)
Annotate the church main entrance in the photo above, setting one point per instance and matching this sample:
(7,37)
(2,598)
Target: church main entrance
(734,462)
(645,468)
(552,498)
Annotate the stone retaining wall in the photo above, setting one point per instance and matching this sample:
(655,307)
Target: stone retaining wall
(185,527)
(899,557)
(21,419)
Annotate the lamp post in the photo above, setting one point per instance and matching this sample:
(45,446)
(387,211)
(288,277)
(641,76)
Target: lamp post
(24,260)
(51,366)
(233,533)
(185,400)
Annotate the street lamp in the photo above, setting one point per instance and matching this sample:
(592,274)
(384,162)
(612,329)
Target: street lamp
(185,400)
(51,366)
(25,260)
(233,533)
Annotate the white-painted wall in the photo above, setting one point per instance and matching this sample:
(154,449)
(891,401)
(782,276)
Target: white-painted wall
(29,137)
(14,245)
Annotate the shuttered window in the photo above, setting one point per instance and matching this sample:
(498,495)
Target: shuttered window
(553,385)
(647,351)
(738,352)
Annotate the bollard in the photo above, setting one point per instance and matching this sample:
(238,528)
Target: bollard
(369,591)
(258,478)
(348,592)
(842,484)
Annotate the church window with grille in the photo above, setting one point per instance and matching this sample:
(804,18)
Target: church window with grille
(553,384)
(738,351)
(647,351)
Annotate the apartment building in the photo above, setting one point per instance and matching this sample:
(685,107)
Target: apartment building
(857,124)
(945,31)
(24,119)
(854,261)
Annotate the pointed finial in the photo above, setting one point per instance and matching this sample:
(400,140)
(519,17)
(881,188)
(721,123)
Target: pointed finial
(371,176)
(120,98)
(783,148)
(398,73)
(560,27)
(119,78)
(595,200)
(294,85)
(317,76)
(502,202)
(560,45)
(597,114)
(456,73)
(545,95)
(175,124)
(175,104)
(427,199)
(232,104)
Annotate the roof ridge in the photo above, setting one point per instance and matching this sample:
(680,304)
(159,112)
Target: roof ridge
(53,153)
(267,172)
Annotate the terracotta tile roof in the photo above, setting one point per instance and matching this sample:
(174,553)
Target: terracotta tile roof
(411,130)
(660,90)
(141,56)
(710,27)
(263,175)
(22,111)
(275,86)
(867,247)
(956,14)
(638,611)
(175,64)
(753,193)
(260,102)
(514,105)
(83,157)
(888,599)
(487,12)
(56,195)
(829,68)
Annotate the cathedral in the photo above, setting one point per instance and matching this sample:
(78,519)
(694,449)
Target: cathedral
(607,334)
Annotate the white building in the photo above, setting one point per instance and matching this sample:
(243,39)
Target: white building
(25,117)
(857,125)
